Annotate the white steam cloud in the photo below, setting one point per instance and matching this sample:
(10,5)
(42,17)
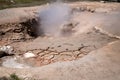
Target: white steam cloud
(53,17)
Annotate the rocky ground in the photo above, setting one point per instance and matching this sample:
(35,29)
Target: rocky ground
(90,53)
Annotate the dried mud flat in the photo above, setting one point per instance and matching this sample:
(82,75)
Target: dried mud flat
(91,53)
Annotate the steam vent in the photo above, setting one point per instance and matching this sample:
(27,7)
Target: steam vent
(60,41)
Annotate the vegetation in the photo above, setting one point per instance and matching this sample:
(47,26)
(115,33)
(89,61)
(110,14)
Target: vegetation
(18,3)
(12,77)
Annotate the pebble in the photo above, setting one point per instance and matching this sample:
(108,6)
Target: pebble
(102,1)
(7,49)
(29,55)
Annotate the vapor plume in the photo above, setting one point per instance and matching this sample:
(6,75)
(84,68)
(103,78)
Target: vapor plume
(53,17)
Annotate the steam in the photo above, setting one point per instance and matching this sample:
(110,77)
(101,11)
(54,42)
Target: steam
(11,63)
(53,17)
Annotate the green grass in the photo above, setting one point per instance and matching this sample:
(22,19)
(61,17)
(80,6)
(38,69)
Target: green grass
(23,3)
(28,1)
(14,77)
(20,3)
(11,77)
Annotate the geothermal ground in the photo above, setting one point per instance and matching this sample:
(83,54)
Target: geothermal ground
(78,41)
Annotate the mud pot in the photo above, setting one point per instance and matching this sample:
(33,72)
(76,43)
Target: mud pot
(43,35)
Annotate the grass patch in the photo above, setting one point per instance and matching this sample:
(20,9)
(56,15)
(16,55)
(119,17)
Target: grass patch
(14,77)
(11,77)
(23,3)
(20,3)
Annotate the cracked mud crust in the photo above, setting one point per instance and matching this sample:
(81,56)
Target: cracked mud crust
(49,50)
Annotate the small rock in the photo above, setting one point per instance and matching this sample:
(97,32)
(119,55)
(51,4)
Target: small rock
(29,55)
(48,57)
(67,49)
(102,1)
(76,53)
(42,54)
(7,49)
(59,46)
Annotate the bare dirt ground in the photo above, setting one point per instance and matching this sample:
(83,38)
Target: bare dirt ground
(91,53)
